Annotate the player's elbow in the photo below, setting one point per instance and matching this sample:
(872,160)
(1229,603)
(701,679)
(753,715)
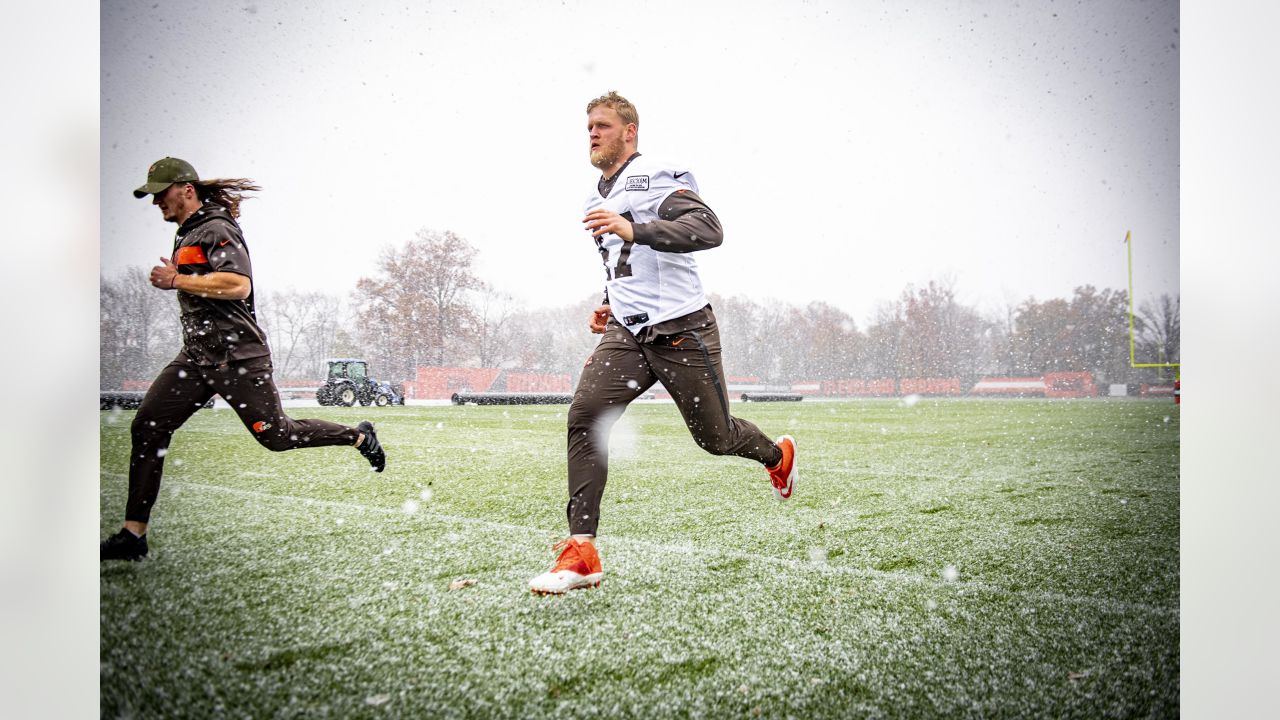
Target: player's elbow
(241,288)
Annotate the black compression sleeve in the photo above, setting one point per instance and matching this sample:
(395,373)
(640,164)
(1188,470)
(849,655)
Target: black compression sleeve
(685,224)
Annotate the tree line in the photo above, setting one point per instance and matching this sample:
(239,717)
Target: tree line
(424,306)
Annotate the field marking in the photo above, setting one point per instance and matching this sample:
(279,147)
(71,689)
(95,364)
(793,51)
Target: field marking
(1112,484)
(1105,604)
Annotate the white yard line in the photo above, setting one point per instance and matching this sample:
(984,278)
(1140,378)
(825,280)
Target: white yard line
(986,478)
(1105,604)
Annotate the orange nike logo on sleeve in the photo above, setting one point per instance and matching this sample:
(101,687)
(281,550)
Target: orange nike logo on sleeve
(224,242)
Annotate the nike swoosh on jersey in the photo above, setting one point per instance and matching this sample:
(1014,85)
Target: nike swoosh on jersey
(680,175)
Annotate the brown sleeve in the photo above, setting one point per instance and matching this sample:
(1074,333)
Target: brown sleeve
(225,249)
(685,224)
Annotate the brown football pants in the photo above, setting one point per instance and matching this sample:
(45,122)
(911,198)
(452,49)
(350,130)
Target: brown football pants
(184,387)
(618,371)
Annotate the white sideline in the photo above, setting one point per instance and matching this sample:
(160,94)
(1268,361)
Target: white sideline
(1105,604)
(982,477)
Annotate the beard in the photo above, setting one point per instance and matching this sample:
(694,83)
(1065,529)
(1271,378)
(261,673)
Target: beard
(606,155)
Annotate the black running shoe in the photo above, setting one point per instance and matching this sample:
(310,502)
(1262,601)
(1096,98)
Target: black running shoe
(371,449)
(124,545)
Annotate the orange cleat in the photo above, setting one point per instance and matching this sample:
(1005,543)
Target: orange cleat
(577,567)
(783,476)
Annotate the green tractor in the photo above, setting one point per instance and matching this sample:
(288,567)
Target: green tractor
(348,382)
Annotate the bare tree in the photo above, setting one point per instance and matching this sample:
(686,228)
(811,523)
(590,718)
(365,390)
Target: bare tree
(998,342)
(555,340)
(885,340)
(496,319)
(831,343)
(757,339)
(1160,339)
(138,328)
(300,327)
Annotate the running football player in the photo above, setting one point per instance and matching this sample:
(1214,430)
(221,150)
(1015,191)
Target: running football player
(224,351)
(647,219)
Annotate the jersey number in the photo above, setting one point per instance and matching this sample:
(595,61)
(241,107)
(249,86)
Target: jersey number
(623,268)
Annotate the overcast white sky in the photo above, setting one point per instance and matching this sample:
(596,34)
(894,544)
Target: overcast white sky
(850,148)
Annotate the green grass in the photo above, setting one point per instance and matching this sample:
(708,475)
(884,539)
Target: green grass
(950,558)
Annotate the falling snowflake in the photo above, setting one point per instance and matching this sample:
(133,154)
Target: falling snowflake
(950,573)
(410,507)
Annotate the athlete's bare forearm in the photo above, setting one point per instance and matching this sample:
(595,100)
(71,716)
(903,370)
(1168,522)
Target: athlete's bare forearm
(216,285)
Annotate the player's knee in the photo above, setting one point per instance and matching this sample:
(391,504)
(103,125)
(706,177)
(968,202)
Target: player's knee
(274,442)
(716,445)
(581,417)
(144,427)
(712,446)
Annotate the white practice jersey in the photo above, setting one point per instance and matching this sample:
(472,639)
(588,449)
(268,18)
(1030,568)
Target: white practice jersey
(647,286)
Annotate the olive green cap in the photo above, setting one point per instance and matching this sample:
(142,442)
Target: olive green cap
(164,173)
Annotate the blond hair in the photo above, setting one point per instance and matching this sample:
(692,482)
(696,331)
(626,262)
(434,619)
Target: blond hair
(227,192)
(618,104)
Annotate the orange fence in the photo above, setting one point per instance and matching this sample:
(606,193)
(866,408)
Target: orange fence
(1069,385)
(929,386)
(852,386)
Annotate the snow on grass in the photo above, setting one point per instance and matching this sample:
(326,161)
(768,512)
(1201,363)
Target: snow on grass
(269,591)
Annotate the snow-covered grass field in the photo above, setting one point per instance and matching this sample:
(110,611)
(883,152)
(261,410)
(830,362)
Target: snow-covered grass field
(998,558)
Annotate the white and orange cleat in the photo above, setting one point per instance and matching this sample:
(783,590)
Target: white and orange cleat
(783,476)
(577,567)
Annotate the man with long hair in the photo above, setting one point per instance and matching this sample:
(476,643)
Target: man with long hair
(224,351)
(647,219)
